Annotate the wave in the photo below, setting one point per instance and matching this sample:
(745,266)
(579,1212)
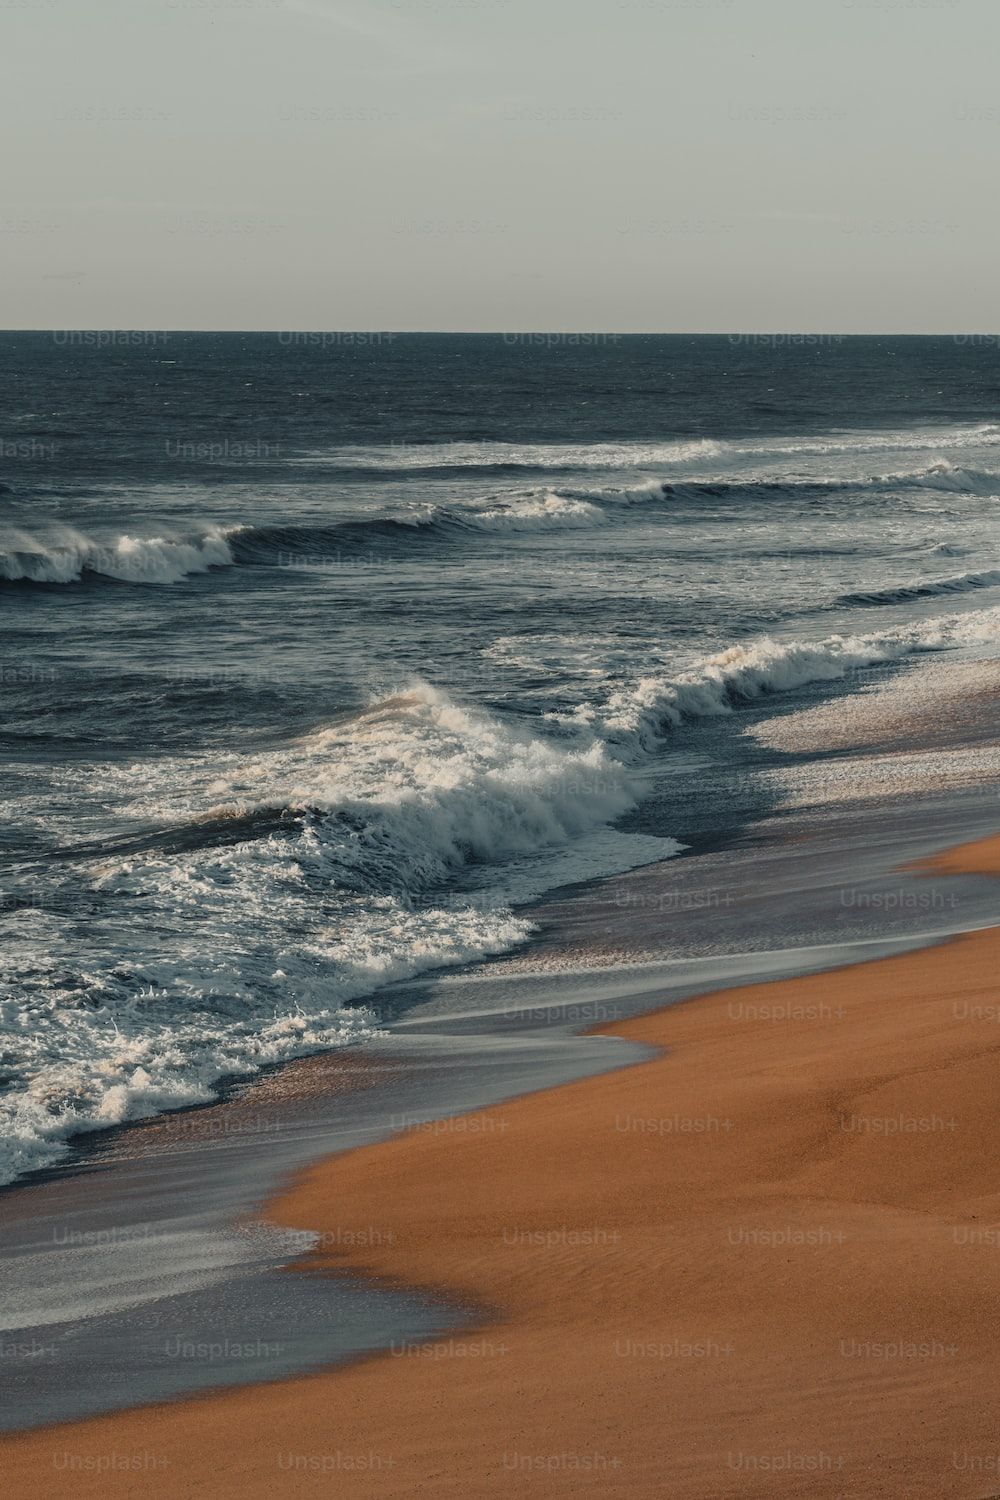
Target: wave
(620,495)
(521,511)
(463,788)
(946,549)
(498,457)
(980,435)
(488,456)
(940,475)
(281,544)
(70,555)
(515,511)
(637,718)
(904,592)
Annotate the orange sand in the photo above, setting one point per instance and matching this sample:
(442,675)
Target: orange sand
(765,1263)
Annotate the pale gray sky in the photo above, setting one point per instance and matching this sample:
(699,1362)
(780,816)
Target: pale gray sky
(626,165)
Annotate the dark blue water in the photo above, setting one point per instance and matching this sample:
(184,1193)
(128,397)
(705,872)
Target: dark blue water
(112,409)
(325,656)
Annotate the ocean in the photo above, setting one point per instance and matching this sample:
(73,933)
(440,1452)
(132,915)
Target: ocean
(328,658)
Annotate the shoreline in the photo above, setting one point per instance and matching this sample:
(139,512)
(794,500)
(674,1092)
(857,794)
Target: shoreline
(676,1254)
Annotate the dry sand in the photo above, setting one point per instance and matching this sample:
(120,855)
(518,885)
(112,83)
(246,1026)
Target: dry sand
(765,1263)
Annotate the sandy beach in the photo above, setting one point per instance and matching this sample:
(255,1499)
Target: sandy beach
(762,1263)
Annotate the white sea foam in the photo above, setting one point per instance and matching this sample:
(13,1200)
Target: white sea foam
(537,512)
(635,494)
(933,439)
(494,455)
(247,970)
(264,946)
(92,1067)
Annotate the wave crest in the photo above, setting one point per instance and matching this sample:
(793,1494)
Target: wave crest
(521,511)
(902,593)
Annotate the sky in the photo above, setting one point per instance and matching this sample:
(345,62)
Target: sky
(564,165)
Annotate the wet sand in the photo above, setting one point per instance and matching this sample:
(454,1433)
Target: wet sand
(763,1263)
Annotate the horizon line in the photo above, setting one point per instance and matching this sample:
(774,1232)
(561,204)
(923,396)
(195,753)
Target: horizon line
(541,333)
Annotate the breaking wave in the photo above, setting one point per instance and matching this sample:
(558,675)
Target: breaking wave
(70,555)
(636,718)
(409,830)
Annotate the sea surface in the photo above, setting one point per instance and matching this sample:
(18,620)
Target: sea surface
(327,658)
